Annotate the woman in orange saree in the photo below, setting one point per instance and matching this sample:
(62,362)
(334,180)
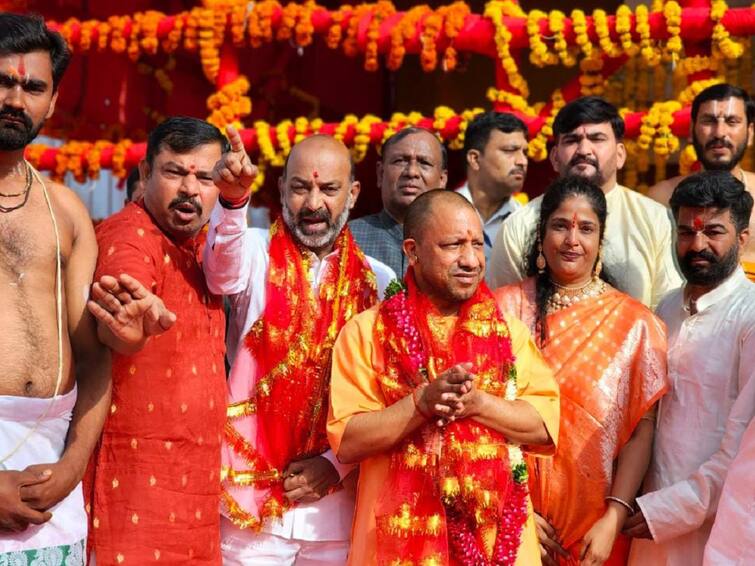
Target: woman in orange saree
(608,352)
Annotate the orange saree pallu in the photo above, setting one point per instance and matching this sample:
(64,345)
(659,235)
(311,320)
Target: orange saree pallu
(608,354)
(283,420)
(456,495)
(749,267)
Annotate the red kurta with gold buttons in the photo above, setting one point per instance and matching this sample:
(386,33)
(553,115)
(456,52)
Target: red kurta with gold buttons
(154,484)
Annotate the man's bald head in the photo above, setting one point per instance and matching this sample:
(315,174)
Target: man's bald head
(321,142)
(420,212)
(317,191)
(444,243)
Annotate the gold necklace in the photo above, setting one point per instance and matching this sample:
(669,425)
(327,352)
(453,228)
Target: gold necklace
(565,297)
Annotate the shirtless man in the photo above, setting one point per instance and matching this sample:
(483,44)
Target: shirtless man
(54,374)
(723,128)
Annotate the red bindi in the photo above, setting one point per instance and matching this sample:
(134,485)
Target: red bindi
(698,223)
(21,66)
(192,168)
(315,174)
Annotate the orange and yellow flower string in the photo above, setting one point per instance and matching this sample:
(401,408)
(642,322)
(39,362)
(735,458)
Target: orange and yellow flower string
(230,105)
(205,28)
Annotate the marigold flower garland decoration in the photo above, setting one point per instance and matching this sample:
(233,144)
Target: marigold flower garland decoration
(230,104)
(496,10)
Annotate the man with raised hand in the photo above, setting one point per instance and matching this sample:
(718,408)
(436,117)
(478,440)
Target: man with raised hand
(290,289)
(155,488)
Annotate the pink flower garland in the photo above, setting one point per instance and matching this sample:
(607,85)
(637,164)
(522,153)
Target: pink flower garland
(463,544)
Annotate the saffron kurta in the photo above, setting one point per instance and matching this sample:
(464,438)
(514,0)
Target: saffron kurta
(609,357)
(358,360)
(156,487)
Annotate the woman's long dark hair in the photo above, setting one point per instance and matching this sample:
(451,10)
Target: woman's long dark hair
(555,195)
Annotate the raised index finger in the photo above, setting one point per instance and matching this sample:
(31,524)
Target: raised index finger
(237,144)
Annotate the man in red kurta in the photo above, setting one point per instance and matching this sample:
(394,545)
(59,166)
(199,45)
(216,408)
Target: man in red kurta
(155,486)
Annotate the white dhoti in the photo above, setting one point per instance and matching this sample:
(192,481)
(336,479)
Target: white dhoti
(61,540)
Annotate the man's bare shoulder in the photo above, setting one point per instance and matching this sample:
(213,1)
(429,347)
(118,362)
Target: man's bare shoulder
(68,201)
(662,191)
(749,178)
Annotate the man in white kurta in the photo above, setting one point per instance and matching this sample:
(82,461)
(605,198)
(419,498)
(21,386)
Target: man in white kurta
(237,260)
(733,531)
(638,246)
(711,364)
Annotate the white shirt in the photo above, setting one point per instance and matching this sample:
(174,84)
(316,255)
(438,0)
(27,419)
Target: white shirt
(491,227)
(638,249)
(733,534)
(236,261)
(711,364)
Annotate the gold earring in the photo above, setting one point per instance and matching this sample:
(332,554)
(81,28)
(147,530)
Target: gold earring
(540,261)
(598,265)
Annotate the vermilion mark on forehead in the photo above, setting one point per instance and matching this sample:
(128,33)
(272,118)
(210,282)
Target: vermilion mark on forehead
(21,66)
(315,174)
(698,223)
(574,220)
(192,167)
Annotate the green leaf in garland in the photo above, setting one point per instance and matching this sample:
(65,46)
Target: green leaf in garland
(395,287)
(512,373)
(520,473)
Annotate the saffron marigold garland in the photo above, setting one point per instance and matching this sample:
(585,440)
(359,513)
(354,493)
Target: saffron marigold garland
(205,28)
(459,494)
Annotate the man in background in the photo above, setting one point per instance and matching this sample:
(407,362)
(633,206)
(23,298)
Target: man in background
(495,147)
(723,128)
(413,161)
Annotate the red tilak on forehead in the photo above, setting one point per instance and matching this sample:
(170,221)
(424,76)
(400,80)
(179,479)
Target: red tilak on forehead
(192,167)
(315,174)
(574,220)
(21,66)
(698,223)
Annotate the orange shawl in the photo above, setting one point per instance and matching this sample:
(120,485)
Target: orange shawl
(749,267)
(609,358)
(283,420)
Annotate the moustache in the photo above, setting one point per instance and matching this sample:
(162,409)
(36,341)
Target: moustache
(318,215)
(719,143)
(17,114)
(179,200)
(520,170)
(705,254)
(579,160)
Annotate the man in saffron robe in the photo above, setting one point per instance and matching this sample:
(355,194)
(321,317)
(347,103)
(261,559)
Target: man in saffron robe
(432,393)
(155,488)
(291,289)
